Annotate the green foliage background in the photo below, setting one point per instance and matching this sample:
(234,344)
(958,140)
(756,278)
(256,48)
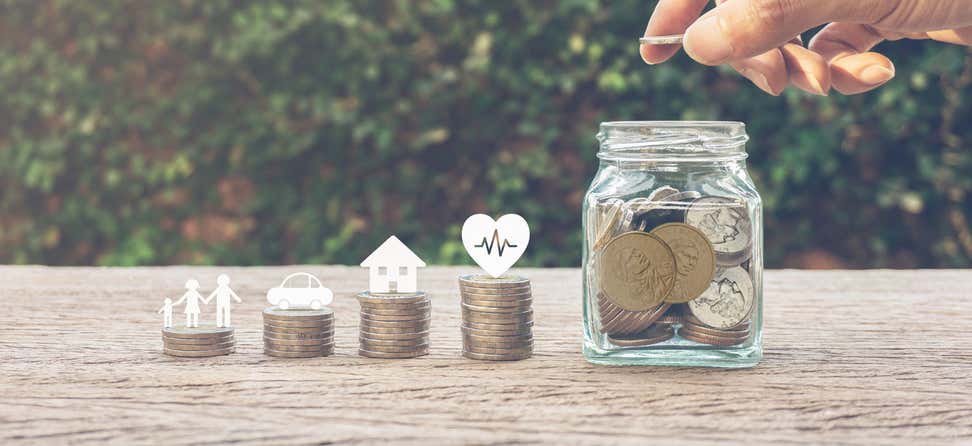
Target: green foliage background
(232,132)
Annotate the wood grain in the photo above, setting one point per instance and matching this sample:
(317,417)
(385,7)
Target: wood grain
(852,357)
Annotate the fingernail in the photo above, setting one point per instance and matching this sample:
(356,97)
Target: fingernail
(706,42)
(876,74)
(815,85)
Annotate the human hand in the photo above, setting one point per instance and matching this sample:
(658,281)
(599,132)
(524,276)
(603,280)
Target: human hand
(761,38)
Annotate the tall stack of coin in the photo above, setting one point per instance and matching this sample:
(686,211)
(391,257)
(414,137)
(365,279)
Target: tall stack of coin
(198,342)
(673,260)
(394,325)
(298,332)
(497,317)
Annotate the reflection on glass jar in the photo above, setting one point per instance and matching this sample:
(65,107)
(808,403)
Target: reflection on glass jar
(673,259)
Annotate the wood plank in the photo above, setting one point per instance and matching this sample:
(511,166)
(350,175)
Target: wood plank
(854,357)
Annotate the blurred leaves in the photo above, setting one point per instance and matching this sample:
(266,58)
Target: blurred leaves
(238,132)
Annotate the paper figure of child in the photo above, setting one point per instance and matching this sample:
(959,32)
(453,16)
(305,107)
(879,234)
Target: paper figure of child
(166,311)
(191,298)
(223,294)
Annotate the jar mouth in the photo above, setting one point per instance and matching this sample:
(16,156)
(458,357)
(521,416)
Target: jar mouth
(653,140)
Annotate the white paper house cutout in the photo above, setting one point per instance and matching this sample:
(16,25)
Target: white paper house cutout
(392,268)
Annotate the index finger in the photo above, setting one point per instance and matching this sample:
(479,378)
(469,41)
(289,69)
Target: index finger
(670,17)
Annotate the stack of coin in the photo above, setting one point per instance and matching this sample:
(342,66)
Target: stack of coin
(497,317)
(694,330)
(298,332)
(394,325)
(198,342)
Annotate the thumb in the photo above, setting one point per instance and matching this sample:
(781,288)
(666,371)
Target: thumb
(738,29)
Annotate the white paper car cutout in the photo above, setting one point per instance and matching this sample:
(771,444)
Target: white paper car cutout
(292,297)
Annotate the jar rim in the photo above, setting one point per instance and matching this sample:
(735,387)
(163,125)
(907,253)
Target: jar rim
(640,140)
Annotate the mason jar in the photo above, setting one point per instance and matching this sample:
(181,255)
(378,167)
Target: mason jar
(672,257)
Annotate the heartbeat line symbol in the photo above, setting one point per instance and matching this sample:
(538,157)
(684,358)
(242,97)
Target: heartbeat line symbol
(489,245)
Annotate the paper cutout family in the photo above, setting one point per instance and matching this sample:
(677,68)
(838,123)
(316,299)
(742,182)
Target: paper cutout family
(223,293)
(495,245)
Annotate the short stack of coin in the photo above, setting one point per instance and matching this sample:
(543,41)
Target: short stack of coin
(497,317)
(694,330)
(198,342)
(298,332)
(394,325)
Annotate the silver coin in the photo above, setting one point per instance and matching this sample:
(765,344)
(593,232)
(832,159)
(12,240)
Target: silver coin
(197,332)
(422,310)
(496,318)
(382,344)
(518,331)
(498,351)
(394,318)
(671,39)
(497,357)
(497,310)
(275,313)
(402,335)
(499,294)
(390,298)
(497,337)
(392,355)
(492,291)
(298,330)
(727,302)
(497,326)
(281,341)
(418,324)
(611,213)
(372,347)
(198,347)
(297,348)
(298,323)
(525,303)
(199,341)
(198,353)
(725,222)
(302,354)
(299,336)
(486,281)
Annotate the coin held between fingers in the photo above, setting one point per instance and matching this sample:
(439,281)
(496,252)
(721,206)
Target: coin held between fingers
(672,39)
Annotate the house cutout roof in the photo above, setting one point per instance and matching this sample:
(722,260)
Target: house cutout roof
(392,252)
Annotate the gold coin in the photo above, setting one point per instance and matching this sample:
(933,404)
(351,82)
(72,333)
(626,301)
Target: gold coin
(412,312)
(618,321)
(732,332)
(636,270)
(497,318)
(395,336)
(298,323)
(498,350)
(513,331)
(522,304)
(694,258)
(296,348)
(608,224)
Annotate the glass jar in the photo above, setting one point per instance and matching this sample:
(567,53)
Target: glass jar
(673,258)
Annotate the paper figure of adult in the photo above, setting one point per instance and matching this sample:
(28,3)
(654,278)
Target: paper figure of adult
(223,294)
(191,298)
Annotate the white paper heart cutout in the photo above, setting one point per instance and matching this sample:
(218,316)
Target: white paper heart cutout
(495,244)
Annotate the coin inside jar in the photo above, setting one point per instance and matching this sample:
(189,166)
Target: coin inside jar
(727,301)
(636,270)
(725,222)
(694,259)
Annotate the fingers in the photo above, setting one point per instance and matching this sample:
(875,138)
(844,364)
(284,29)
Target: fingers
(961,36)
(853,69)
(670,17)
(737,29)
(767,71)
(807,70)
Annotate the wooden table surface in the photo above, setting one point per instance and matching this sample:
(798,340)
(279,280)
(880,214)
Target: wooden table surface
(850,357)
